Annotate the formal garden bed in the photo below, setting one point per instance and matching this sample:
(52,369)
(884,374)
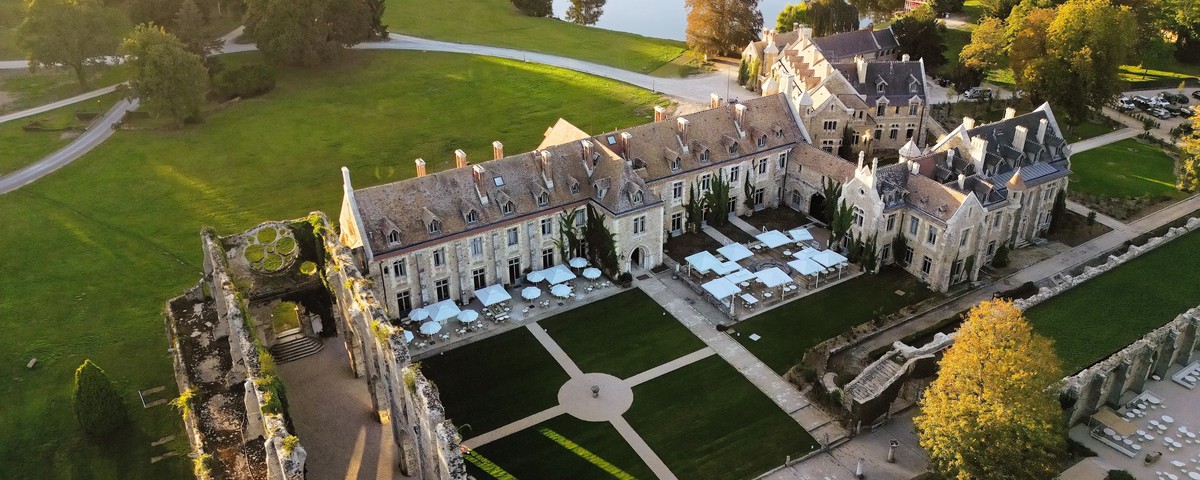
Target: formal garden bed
(1073,229)
(588,450)
(679,247)
(779,218)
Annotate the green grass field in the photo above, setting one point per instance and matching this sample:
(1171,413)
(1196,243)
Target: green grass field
(22,148)
(589,451)
(789,330)
(622,335)
(491,383)
(10,17)
(498,23)
(1106,313)
(27,90)
(1127,168)
(97,247)
(1090,129)
(707,422)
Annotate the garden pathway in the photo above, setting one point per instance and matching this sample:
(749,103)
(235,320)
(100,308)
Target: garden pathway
(59,104)
(1100,217)
(1102,140)
(647,454)
(818,424)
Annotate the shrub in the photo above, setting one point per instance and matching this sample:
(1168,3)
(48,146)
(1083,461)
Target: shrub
(308,268)
(290,443)
(1091,218)
(98,407)
(1119,475)
(246,81)
(1001,258)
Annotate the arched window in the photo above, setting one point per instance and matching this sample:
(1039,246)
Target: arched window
(733,148)
(762,141)
(435,226)
(704,155)
(637,197)
(675,163)
(472,217)
(543,199)
(393,237)
(508,208)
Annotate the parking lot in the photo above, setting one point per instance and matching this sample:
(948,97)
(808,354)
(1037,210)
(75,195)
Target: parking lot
(1171,123)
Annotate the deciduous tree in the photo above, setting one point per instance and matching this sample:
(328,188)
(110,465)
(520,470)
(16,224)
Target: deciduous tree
(992,412)
(722,27)
(98,407)
(997,8)
(307,32)
(585,12)
(1189,165)
(879,10)
(170,80)
(989,42)
(74,33)
(832,16)
(942,7)
(535,8)
(920,35)
(792,14)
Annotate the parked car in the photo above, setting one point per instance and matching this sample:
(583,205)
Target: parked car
(1125,105)
(1141,98)
(1173,110)
(1158,102)
(1160,113)
(978,93)
(1196,94)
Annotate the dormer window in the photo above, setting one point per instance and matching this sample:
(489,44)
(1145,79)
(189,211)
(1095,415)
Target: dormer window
(879,87)
(704,155)
(912,86)
(543,199)
(472,217)
(574,188)
(637,197)
(393,237)
(762,141)
(675,164)
(508,208)
(733,148)
(880,109)
(435,226)
(778,133)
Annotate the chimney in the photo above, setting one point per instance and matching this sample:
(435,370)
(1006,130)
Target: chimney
(587,149)
(766,34)
(497,150)
(968,123)
(874,165)
(625,138)
(978,147)
(904,58)
(420,167)
(544,157)
(1010,112)
(1019,136)
(861,157)
(806,32)
(1041,133)
(916,168)
(460,158)
(660,113)
(477,172)
(950,157)
(682,127)
(962,182)
(714,100)
(795,26)
(346,187)
(861,63)
(740,111)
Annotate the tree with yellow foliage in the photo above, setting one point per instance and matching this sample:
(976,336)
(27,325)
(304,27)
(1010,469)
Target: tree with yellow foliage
(1189,165)
(993,412)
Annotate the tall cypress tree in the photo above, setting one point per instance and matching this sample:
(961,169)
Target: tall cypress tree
(97,405)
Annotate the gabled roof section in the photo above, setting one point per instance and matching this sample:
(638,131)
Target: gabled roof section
(898,79)
(562,132)
(858,42)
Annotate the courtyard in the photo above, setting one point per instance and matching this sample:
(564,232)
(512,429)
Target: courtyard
(667,406)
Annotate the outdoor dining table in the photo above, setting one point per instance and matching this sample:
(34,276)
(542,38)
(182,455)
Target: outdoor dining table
(1194,475)
(1167,419)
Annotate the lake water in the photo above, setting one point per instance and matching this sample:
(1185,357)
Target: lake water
(657,18)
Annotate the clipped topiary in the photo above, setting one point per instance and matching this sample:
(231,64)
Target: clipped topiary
(285,246)
(267,235)
(98,407)
(272,262)
(254,253)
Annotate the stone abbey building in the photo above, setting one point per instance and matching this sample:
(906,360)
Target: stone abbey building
(442,235)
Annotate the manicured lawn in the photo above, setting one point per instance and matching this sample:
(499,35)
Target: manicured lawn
(1090,129)
(27,90)
(10,17)
(955,41)
(707,422)
(563,444)
(22,148)
(498,23)
(1127,168)
(1108,312)
(497,381)
(96,248)
(622,335)
(789,330)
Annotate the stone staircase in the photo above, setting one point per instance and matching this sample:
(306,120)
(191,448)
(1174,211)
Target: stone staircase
(295,345)
(874,378)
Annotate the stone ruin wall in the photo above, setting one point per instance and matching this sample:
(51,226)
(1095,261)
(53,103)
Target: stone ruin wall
(190,424)
(1104,382)
(402,396)
(280,464)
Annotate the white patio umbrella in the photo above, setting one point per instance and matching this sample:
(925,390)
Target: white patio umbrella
(430,328)
(468,316)
(530,293)
(443,310)
(536,276)
(702,261)
(561,290)
(577,262)
(558,274)
(591,273)
(735,252)
(408,336)
(418,314)
(492,295)
(773,238)
(801,235)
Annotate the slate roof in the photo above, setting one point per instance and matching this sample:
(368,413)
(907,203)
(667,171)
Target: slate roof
(781,40)
(858,42)
(652,147)
(450,196)
(901,81)
(1002,157)
(897,186)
